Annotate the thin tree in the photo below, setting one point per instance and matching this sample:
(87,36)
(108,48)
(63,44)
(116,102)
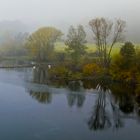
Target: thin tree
(106,35)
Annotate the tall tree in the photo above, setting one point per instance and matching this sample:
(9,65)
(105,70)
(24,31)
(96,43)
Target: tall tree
(106,35)
(128,50)
(75,41)
(128,54)
(41,43)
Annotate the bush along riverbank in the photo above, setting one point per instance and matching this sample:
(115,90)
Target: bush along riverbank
(124,67)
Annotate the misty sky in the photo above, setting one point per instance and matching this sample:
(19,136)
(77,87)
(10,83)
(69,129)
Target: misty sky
(66,12)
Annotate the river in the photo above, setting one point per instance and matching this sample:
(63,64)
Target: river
(32,110)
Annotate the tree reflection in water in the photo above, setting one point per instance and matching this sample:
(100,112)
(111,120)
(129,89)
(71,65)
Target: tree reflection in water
(40,75)
(116,114)
(75,96)
(114,103)
(126,97)
(42,97)
(100,118)
(106,112)
(75,99)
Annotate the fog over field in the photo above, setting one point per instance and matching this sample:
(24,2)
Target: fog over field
(28,15)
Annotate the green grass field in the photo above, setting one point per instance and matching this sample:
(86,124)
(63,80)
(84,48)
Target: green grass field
(60,47)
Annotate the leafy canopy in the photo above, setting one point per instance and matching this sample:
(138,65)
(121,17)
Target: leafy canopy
(75,41)
(41,42)
(128,50)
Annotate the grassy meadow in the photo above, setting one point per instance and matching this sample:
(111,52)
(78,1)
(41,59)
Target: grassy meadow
(60,47)
(8,52)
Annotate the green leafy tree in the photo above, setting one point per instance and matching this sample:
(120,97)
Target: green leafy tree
(41,43)
(128,55)
(124,66)
(75,41)
(128,50)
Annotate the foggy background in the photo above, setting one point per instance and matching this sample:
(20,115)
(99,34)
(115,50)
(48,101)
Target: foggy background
(28,15)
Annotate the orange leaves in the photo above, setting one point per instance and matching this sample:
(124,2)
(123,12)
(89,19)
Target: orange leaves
(91,69)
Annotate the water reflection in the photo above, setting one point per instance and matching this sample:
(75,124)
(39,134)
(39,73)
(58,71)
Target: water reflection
(74,85)
(40,75)
(83,110)
(75,95)
(100,117)
(114,103)
(106,112)
(42,97)
(126,96)
(75,99)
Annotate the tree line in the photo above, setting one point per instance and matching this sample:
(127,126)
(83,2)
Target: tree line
(105,35)
(75,62)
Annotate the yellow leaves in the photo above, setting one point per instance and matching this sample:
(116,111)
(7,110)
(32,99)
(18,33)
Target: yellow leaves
(126,75)
(91,69)
(44,35)
(123,70)
(62,72)
(59,71)
(41,43)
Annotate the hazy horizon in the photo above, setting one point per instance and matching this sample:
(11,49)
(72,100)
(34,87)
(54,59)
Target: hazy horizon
(63,13)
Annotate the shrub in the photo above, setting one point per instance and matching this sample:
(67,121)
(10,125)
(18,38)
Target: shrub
(75,76)
(121,71)
(91,70)
(58,72)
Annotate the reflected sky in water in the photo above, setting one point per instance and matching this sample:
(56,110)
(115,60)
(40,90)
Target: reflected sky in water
(33,111)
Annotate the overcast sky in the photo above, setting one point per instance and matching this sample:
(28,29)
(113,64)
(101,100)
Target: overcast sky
(64,12)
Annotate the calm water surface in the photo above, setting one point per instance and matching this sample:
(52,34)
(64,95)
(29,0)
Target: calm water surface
(32,111)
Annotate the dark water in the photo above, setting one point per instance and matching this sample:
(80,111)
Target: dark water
(31,110)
